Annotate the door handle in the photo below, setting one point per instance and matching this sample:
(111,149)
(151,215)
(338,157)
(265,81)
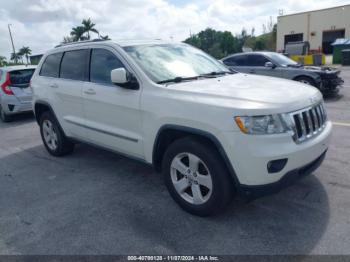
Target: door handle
(90,91)
(54,85)
(252,71)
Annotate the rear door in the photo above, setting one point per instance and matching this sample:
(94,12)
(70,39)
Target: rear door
(238,63)
(62,77)
(19,80)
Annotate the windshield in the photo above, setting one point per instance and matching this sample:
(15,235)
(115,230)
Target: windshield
(281,59)
(162,62)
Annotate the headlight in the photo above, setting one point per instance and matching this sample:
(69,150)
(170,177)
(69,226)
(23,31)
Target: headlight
(262,125)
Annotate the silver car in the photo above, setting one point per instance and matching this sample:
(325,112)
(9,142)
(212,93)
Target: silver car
(274,64)
(15,93)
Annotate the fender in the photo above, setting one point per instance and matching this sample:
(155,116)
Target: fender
(196,132)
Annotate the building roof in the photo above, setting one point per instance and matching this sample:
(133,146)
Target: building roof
(318,10)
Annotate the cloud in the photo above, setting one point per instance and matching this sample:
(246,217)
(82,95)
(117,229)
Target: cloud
(42,24)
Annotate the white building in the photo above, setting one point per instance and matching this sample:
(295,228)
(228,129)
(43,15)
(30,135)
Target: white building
(319,27)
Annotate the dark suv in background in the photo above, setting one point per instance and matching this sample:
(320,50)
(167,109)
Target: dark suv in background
(326,79)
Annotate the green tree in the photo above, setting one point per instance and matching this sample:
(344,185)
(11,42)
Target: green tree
(77,33)
(106,37)
(89,27)
(16,57)
(25,51)
(3,61)
(67,39)
(216,43)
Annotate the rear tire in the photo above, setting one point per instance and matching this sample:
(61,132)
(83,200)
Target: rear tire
(204,186)
(56,143)
(4,117)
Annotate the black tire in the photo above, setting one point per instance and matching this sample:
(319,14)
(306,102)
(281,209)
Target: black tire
(306,80)
(4,117)
(222,184)
(64,146)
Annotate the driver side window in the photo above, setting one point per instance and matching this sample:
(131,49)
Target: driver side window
(101,65)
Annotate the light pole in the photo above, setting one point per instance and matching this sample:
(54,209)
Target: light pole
(13,46)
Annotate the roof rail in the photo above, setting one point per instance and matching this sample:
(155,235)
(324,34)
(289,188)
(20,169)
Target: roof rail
(81,42)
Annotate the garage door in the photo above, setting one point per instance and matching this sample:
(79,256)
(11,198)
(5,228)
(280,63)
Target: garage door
(329,37)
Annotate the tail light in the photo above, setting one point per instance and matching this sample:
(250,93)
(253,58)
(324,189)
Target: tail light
(6,85)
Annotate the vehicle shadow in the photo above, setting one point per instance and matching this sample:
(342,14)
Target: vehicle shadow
(18,120)
(332,97)
(97,202)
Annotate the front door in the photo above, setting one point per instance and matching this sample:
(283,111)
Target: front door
(112,113)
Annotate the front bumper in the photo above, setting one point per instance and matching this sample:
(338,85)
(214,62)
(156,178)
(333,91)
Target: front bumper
(250,155)
(330,84)
(252,192)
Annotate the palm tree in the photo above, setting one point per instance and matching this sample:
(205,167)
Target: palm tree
(89,27)
(16,56)
(67,39)
(3,61)
(77,33)
(106,37)
(26,51)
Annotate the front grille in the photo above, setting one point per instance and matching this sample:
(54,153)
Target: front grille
(308,122)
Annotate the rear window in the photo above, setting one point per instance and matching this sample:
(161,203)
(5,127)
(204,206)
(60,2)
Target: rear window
(51,66)
(21,77)
(75,64)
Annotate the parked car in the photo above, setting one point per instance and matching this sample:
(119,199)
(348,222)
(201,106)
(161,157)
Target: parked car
(211,132)
(326,79)
(15,94)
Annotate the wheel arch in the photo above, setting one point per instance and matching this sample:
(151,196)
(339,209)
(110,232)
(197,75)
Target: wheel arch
(167,134)
(314,79)
(40,107)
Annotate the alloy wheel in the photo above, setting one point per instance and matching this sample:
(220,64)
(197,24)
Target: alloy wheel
(50,135)
(191,178)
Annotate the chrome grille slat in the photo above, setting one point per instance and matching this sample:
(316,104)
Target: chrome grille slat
(318,108)
(302,124)
(316,119)
(308,122)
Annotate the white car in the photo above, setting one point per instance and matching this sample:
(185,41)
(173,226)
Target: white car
(15,94)
(211,132)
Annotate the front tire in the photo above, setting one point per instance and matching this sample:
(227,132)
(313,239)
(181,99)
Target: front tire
(306,80)
(56,143)
(196,177)
(4,117)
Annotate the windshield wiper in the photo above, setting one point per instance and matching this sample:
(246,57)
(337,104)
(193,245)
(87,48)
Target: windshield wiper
(177,79)
(217,73)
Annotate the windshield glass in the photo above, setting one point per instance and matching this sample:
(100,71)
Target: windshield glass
(281,59)
(168,61)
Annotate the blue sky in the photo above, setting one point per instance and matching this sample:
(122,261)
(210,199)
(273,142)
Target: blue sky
(42,24)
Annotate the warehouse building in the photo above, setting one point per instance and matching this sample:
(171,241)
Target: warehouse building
(320,28)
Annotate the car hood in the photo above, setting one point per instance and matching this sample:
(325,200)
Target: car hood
(317,69)
(250,92)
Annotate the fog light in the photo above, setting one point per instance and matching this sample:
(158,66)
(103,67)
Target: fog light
(276,166)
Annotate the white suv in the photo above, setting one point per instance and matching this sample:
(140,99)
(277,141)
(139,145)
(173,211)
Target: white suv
(210,131)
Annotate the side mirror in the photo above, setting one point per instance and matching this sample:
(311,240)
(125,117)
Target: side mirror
(124,79)
(270,65)
(119,76)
